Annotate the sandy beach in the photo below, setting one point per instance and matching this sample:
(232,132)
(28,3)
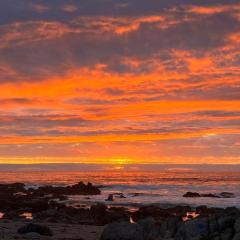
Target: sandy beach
(8,230)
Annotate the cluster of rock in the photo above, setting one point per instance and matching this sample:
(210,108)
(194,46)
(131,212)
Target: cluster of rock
(98,214)
(35,228)
(111,197)
(45,205)
(211,195)
(145,223)
(220,225)
(15,199)
(76,189)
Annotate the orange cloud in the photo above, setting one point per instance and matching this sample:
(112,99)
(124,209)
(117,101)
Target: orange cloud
(214,9)
(143,87)
(114,138)
(134,24)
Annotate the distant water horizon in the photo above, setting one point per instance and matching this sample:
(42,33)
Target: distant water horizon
(119,167)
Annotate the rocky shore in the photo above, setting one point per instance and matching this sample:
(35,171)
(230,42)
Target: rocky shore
(207,224)
(42,213)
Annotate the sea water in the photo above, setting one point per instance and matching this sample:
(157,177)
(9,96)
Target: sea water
(139,188)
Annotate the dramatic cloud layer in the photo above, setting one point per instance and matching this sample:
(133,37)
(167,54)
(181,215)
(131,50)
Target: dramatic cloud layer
(120,81)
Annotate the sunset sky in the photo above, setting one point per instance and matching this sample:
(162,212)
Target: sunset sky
(120,81)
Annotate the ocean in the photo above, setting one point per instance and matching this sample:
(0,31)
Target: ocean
(163,187)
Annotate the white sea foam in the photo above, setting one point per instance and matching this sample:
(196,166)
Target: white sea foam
(139,188)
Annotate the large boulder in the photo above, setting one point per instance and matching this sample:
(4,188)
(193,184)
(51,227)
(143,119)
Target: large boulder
(150,229)
(210,195)
(213,224)
(159,214)
(35,228)
(110,198)
(227,234)
(236,236)
(123,231)
(237,225)
(191,194)
(195,229)
(76,189)
(32,236)
(98,209)
(117,214)
(206,211)
(226,222)
(179,211)
(38,205)
(169,227)
(12,188)
(226,195)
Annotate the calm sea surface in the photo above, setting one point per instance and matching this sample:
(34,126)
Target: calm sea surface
(162,187)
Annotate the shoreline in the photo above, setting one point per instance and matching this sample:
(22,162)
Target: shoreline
(36,209)
(9,231)
(141,188)
(151,220)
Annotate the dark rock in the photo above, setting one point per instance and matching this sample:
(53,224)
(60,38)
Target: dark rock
(68,215)
(149,227)
(179,210)
(192,194)
(210,195)
(60,197)
(38,205)
(12,188)
(98,214)
(116,214)
(236,236)
(136,194)
(12,216)
(40,229)
(205,211)
(77,189)
(237,225)
(45,215)
(227,234)
(110,198)
(119,195)
(32,236)
(169,227)
(232,211)
(202,209)
(213,224)
(56,205)
(122,231)
(225,222)
(226,195)
(14,197)
(194,229)
(98,209)
(148,211)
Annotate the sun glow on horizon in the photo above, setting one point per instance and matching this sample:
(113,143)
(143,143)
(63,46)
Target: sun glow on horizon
(117,163)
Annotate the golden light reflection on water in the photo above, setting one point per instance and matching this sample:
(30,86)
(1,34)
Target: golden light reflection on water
(118,167)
